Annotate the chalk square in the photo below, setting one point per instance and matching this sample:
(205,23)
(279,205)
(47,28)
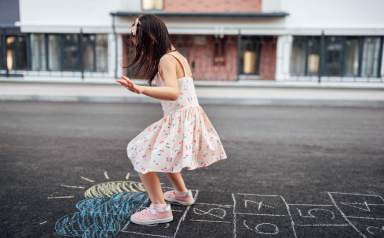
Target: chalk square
(315,214)
(257,204)
(218,223)
(359,205)
(368,227)
(326,231)
(263,226)
(205,212)
(215,197)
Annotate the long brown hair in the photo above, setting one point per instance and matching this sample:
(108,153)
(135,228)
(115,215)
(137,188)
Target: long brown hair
(152,42)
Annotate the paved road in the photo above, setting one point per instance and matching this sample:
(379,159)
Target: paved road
(291,172)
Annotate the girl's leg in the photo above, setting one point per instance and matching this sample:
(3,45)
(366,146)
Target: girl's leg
(152,184)
(177,181)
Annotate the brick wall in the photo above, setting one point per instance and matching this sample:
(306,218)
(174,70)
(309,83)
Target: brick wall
(202,59)
(268,59)
(212,5)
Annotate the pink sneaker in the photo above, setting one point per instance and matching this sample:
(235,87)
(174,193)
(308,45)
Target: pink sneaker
(151,215)
(174,196)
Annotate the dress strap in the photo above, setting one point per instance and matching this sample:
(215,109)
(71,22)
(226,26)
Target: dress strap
(182,65)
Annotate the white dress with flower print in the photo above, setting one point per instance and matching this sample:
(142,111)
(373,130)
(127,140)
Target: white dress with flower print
(183,138)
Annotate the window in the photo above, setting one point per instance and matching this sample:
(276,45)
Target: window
(333,56)
(298,56)
(152,4)
(89,54)
(54,53)
(313,60)
(2,55)
(351,57)
(345,56)
(61,52)
(38,52)
(70,52)
(249,55)
(102,53)
(371,55)
(16,52)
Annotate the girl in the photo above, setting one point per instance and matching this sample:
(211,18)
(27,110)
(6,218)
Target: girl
(183,138)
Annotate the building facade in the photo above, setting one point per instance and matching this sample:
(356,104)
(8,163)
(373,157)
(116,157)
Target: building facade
(290,40)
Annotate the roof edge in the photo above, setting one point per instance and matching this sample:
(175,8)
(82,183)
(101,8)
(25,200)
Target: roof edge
(204,14)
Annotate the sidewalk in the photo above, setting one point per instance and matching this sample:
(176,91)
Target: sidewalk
(251,93)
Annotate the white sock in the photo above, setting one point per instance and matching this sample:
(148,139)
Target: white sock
(160,206)
(182,193)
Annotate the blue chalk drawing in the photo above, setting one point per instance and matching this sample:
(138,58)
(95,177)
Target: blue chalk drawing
(101,217)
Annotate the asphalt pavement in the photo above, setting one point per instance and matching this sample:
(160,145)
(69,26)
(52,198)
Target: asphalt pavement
(292,171)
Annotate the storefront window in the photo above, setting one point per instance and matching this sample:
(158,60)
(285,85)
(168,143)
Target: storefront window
(344,56)
(351,57)
(313,60)
(64,52)
(38,56)
(298,56)
(70,52)
(250,53)
(16,52)
(89,54)
(333,56)
(2,56)
(102,53)
(54,54)
(371,55)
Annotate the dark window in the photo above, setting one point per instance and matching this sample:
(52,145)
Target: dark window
(2,52)
(333,56)
(70,52)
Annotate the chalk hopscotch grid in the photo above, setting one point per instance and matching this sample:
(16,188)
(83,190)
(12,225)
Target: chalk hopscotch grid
(287,206)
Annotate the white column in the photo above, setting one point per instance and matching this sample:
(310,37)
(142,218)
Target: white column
(119,54)
(382,62)
(283,57)
(111,55)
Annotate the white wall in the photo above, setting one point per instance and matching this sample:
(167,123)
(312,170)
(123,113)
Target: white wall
(335,16)
(271,5)
(67,15)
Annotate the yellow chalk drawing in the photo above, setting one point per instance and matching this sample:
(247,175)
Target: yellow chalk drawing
(108,189)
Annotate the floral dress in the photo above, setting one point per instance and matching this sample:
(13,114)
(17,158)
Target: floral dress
(183,138)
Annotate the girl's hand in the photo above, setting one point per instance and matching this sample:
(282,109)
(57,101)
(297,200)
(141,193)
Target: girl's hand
(129,84)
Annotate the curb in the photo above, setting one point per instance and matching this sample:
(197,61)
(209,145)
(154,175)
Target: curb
(202,100)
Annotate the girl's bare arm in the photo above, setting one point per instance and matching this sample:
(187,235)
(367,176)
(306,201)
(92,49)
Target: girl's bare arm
(171,90)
